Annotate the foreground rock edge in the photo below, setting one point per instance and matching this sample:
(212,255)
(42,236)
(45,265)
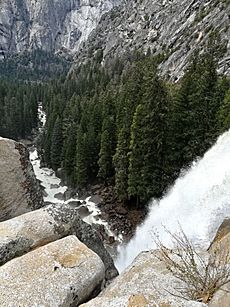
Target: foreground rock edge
(61,273)
(31,230)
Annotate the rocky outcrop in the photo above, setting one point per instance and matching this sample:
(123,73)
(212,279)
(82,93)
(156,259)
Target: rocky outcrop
(19,189)
(51,25)
(40,227)
(221,243)
(146,282)
(174,28)
(222,236)
(62,273)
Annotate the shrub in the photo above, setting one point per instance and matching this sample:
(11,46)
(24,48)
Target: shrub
(201,276)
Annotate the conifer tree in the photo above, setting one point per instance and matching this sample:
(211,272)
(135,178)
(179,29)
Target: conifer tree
(130,96)
(108,139)
(148,140)
(70,151)
(224,114)
(56,144)
(81,164)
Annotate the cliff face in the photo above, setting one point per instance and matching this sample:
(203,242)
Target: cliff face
(51,25)
(175,27)
(19,189)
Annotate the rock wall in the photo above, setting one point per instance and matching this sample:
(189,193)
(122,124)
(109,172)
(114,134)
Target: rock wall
(175,28)
(51,25)
(19,189)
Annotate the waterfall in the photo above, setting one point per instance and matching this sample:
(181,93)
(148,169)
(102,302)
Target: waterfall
(198,202)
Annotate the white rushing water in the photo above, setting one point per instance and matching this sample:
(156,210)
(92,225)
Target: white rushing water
(53,187)
(198,202)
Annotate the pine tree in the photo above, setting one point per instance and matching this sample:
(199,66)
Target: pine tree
(130,96)
(121,163)
(224,114)
(81,163)
(108,139)
(70,149)
(148,163)
(195,110)
(56,144)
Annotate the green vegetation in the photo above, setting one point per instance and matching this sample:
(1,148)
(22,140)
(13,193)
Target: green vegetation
(18,109)
(121,124)
(21,78)
(126,127)
(33,66)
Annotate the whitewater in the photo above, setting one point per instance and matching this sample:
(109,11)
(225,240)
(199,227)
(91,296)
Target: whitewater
(198,203)
(53,186)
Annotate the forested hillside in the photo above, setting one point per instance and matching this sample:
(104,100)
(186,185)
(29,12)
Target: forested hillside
(121,125)
(21,79)
(18,109)
(125,126)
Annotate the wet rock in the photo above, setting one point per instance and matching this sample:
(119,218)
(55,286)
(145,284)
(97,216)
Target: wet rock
(122,211)
(74,203)
(70,193)
(95,199)
(59,196)
(61,273)
(20,191)
(101,231)
(37,228)
(54,186)
(44,193)
(83,211)
(111,240)
(60,172)
(95,188)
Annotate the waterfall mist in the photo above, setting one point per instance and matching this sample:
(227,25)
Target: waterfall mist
(198,202)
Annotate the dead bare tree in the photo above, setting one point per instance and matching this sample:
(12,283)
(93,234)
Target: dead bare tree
(200,276)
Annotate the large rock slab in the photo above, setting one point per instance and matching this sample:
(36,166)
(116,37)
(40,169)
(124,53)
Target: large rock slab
(61,273)
(47,24)
(221,243)
(146,282)
(19,189)
(31,230)
(222,236)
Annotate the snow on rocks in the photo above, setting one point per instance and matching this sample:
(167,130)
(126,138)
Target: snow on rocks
(61,273)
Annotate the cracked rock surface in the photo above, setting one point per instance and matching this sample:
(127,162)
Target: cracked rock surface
(19,189)
(61,273)
(40,227)
(51,25)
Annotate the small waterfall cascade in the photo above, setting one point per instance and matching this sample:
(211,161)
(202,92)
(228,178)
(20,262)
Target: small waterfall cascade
(198,202)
